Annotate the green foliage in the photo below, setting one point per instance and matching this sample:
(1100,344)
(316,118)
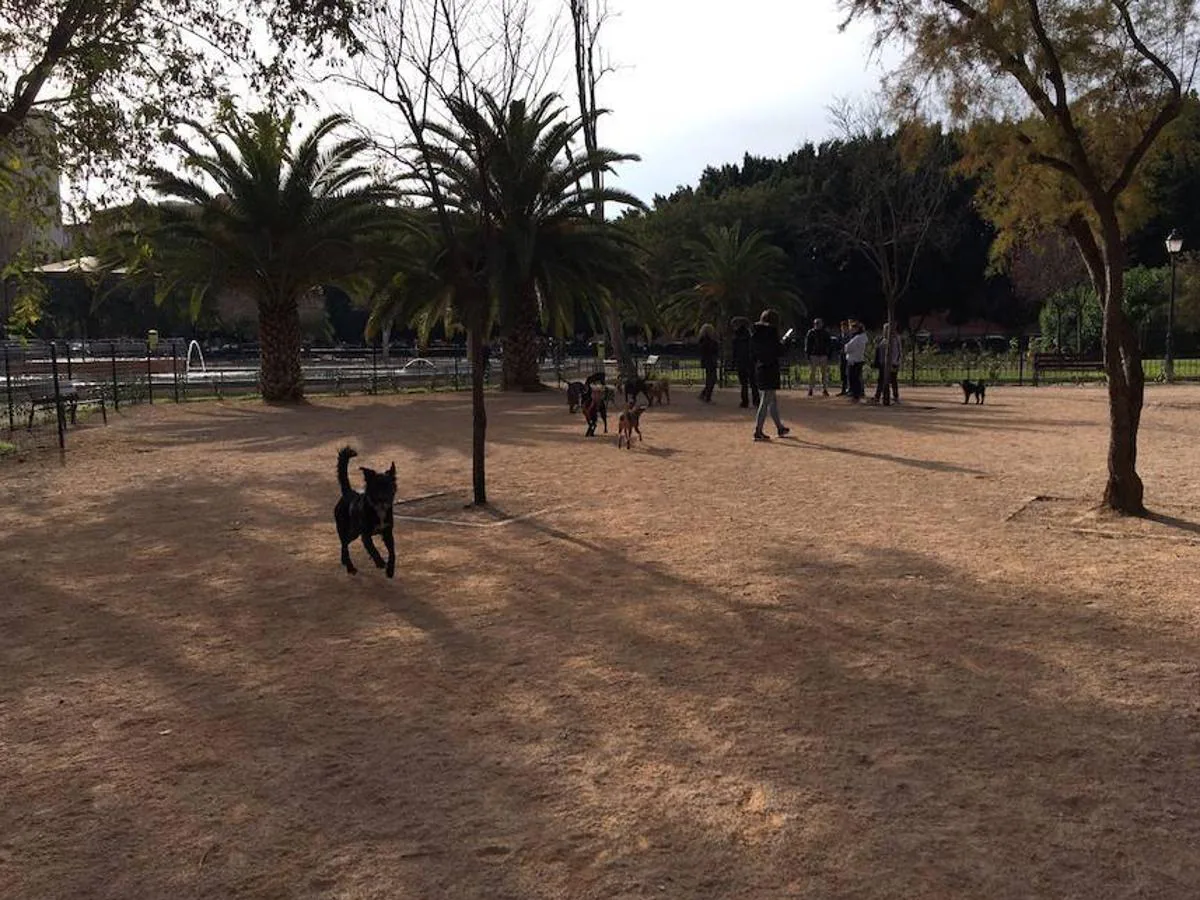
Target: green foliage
(113,72)
(520,206)
(728,273)
(251,213)
(1071,319)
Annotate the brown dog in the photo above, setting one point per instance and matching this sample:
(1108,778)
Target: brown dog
(630,422)
(660,390)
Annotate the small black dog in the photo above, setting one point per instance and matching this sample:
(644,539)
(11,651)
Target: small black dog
(362,515)
(577,391)
(635,386)
(976,389)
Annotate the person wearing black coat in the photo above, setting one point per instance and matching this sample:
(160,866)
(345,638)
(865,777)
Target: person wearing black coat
(710,352)
(767,349)
(743,360)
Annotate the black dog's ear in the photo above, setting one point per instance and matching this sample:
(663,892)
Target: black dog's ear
(392,470)
(367,473)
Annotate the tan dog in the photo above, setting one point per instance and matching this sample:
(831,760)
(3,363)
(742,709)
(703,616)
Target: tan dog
(630,422)
(660,390)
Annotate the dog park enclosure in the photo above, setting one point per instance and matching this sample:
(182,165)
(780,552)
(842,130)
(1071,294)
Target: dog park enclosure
(864,662)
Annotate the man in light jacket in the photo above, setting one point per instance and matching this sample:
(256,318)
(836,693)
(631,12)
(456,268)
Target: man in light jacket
(856,355)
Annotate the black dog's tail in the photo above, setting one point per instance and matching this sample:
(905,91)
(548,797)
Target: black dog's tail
(344,456)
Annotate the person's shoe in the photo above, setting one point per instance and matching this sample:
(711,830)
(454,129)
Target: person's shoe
(784,432)
(759,436)
(824,393)
(810,392)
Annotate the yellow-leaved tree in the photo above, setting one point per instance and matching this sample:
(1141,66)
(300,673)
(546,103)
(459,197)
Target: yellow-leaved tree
(1065,98)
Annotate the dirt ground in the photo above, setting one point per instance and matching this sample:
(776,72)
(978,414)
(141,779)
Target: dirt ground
(860,662)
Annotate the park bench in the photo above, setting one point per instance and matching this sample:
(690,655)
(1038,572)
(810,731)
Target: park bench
(71,395)
(1058,362)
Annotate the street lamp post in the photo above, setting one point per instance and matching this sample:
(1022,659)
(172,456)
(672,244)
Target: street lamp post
(1174,245)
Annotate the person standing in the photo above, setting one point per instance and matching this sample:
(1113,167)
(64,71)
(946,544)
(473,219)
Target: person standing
(816,347)
(896,351)
(856,355)
(843,338)
(710,351)
(743,361)
(767,349)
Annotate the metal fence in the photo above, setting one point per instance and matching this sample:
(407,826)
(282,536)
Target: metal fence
(51,387)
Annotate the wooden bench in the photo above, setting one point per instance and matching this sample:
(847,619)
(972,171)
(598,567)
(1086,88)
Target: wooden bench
(1057,362)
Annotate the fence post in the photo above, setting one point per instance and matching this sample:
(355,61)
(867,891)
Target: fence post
(58,407)
(374,366)
(456,370)
(70,377)
(149,376)
(8,388)
(175,368)
(1020,365)
(112,345)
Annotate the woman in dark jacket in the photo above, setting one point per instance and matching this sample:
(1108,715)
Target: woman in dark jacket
(767,349)
(710,351)
(743,360)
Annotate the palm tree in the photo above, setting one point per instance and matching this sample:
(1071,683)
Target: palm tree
(730,274)
(511,170)
(254,215)
(442,277)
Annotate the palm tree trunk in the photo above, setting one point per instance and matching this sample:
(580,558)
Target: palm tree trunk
(620,347)
(279,337)
(522,345)
(478,418)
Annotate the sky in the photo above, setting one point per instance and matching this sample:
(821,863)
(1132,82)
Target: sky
(702,83)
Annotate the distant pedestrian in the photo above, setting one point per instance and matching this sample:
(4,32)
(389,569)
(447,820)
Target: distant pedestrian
(767,349)
(844,337)
(890,344)
(743,361)
(856,355)
(816,347)
(710,352)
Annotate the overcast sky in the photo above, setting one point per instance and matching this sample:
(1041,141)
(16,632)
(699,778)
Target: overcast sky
(703,83)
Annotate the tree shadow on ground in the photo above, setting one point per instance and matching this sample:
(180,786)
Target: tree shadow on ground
(196,697)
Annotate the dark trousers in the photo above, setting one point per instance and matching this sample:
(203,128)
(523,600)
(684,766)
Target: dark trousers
(894,381)
(845,377)
(749,386)
(710,382)
(854,370)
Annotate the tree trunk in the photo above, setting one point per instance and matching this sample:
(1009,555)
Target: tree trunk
(279,338)
(478,418)
(616,339)
(1126,387)
(520,370)
(886,372)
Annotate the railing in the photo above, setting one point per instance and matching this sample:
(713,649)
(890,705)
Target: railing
(109,374)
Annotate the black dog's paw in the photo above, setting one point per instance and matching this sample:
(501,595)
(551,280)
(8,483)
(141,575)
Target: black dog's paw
(379,564)
(350,570)
(391,570)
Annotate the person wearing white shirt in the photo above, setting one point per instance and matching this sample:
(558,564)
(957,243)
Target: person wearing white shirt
(856,355)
